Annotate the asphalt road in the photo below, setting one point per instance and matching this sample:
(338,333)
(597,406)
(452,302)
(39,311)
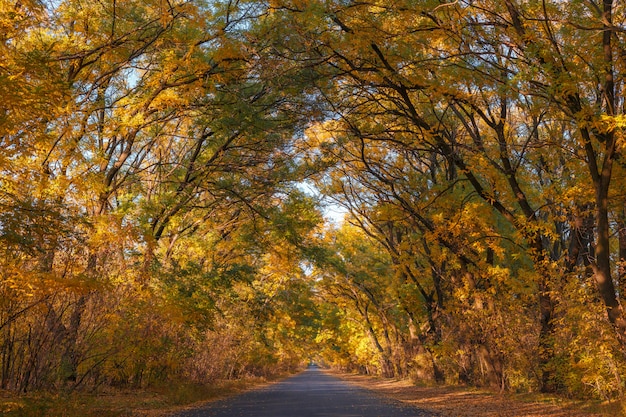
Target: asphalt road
(312,393)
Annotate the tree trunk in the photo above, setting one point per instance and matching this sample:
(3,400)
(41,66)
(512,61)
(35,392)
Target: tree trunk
(71,354)
(602,266)
(621,234)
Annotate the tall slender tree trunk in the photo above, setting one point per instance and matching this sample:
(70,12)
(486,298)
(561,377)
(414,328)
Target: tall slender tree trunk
(602,266)
(621,234)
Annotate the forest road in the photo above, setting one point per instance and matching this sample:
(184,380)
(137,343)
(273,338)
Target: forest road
(311,393)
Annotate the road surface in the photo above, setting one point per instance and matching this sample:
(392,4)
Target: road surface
(312,393)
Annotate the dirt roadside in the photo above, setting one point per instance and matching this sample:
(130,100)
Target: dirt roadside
(459,402)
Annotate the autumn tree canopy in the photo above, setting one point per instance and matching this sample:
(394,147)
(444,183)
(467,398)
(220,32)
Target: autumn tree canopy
(157,220)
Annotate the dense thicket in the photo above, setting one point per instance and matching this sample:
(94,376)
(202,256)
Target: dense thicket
(153,223)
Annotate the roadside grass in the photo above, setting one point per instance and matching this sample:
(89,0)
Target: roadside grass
(153,402)
(468,402)
(606,408)
(576,407)
(572,407)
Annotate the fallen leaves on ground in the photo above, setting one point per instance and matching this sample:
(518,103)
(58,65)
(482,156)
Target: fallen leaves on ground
(460,402)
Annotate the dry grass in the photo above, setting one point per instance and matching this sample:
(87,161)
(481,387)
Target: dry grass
(123,403)
(459,402)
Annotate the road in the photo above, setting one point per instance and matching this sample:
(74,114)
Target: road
(312,393)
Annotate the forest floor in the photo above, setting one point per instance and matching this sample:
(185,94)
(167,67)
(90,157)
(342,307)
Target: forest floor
(464,402)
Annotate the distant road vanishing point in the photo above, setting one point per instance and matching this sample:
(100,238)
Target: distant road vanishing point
(311,393)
